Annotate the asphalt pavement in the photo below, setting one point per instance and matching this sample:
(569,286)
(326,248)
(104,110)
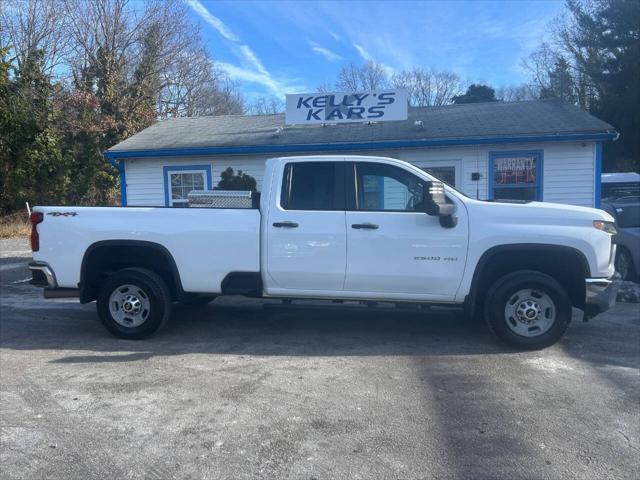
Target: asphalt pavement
(244,390)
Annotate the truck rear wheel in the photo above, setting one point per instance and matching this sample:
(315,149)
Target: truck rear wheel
(134,303)
(528,309)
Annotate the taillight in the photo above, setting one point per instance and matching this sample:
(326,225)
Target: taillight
(36,218)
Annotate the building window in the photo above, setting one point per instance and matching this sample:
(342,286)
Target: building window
(444,174)
(515,175)
(181,180)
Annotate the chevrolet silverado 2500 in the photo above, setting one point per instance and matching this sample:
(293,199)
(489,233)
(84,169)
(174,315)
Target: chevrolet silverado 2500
(338,228)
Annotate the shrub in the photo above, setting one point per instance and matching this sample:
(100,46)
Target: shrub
(239,181)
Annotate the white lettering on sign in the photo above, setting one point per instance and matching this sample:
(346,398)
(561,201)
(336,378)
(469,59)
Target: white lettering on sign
(515,164)
(515,170)
(378,106)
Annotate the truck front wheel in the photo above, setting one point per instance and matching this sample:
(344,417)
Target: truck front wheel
(134,303)
(528,309)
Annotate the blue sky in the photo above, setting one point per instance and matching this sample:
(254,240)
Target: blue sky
(271,48)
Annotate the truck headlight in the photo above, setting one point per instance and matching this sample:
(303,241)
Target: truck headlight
(608,227)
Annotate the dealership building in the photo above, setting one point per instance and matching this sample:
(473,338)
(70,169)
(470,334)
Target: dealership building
(537,150)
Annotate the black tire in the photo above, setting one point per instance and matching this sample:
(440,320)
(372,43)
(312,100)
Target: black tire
(624,264)
(503,295)
(153,291)
(196,300)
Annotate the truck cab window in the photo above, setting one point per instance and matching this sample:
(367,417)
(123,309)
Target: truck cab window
(310,186)
(381,187)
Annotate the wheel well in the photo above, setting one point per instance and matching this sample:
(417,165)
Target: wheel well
(104,258)
(567,265)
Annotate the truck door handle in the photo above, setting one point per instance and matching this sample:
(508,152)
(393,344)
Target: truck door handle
(285,224)
(367,226)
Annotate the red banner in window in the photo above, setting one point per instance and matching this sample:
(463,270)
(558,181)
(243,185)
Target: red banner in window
(515,170)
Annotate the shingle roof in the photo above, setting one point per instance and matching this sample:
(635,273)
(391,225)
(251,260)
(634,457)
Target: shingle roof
(450,122)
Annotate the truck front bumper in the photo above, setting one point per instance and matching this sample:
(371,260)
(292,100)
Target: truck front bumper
(600,295)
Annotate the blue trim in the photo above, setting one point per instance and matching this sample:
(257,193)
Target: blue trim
(168,168)
(598,176)
(123,179)
(123,184)
(332,147)
(539,154)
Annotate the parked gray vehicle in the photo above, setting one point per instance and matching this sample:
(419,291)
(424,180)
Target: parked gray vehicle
(626,211)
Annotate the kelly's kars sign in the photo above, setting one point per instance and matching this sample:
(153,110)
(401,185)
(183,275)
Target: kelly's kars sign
(378,106)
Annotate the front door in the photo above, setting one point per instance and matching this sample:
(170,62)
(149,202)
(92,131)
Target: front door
(393,249)
(305,227)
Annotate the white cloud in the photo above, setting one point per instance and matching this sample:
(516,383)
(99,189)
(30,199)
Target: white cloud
(276,87)
(254,70)
(215,22)
(326,53)
(250,56)
(363,53)
(335,36)
(366,56)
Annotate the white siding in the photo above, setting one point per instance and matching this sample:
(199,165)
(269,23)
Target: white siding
(568,169)
(145,180)
(569,174)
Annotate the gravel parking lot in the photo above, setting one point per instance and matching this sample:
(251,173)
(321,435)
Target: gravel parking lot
(243,390)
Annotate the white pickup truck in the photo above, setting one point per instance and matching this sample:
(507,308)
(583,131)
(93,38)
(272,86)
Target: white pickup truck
(336,228)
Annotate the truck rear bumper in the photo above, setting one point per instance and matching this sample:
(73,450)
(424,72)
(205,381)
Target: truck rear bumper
(43,276)
(600,295)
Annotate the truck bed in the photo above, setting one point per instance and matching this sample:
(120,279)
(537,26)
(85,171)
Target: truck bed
(205,243)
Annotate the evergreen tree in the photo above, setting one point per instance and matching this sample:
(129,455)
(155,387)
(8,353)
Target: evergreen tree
(145,89)
(476,94)
(33,167)
(561,83)
(604,38)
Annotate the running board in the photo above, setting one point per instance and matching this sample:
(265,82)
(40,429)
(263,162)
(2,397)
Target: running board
(61,293)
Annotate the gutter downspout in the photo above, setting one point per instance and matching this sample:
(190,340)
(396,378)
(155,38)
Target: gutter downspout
(119,164)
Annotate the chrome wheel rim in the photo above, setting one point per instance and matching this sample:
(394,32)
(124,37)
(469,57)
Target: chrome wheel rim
(530,312)
(129,306)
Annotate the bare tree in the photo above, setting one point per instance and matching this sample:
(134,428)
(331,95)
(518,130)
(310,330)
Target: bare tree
(539,64)
(326,87)
(517,93)
(267,106)
(193,86)
(221,97)
(555,72)
(125,46)
(30,25)
(428,87)
(366,77)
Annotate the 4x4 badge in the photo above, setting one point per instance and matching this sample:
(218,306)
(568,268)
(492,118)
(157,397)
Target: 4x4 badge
(62,214)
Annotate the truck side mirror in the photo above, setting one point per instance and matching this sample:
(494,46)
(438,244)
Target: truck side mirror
(436,204)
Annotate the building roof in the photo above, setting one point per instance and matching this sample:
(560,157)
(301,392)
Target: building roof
(450,124)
